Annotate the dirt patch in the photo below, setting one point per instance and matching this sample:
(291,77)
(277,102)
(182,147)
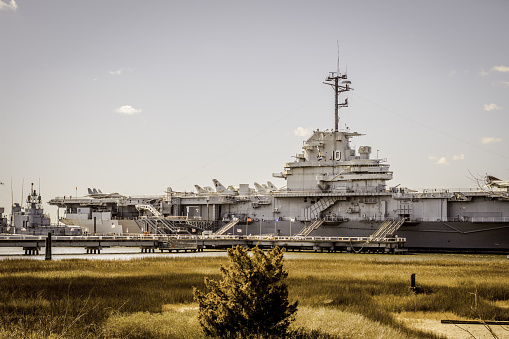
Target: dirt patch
(460,331)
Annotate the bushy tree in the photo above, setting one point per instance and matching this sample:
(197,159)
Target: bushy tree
(250,299)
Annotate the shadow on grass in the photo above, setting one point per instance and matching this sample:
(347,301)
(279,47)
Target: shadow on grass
(377,300)
(79,306)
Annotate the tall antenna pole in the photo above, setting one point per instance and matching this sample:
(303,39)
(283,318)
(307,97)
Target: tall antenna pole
(337,68)
(22,184)
(12,203)
(333,80)
(336,106)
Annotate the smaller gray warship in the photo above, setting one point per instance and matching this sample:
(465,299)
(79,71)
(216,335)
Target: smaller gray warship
(31,220)
(4,226)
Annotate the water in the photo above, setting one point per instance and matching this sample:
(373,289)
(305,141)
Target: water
(107,253)
(129,253)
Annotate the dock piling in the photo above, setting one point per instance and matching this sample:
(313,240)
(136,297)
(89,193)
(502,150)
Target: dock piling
(47,248)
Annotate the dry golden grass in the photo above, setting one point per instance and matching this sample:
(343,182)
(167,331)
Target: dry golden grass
(83,298)
(344,324)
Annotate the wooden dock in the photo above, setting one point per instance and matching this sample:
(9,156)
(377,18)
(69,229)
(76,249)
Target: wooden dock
(32,244)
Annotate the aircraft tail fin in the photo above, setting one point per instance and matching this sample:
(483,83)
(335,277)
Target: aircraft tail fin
(220,188)
(200,190)
(259,188)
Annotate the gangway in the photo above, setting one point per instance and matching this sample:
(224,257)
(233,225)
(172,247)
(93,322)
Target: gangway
(157,225)
(387,227)
(146,224)
(227,227)
(310,228)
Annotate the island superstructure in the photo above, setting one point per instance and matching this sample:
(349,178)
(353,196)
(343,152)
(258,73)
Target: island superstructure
(331,190)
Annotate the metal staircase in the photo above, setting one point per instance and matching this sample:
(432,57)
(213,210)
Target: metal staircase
(149,208)
(387,227)
(157,225)
(309,228)
(226,227)
(321,205)
(168,225)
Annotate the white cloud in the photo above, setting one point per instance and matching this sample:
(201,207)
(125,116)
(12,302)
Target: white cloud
(505,83)
(458,157)
(302,132)
(503,69)
(121,70)
(492,107)
(8,6)
(483,73)
(490,140)
(440,161)
(127,109)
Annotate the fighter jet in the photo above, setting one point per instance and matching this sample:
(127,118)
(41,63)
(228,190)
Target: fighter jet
(96,194)
(492,181)
(220,189)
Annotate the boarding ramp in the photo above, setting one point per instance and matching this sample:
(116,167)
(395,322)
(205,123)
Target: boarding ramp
(310,228)
(227,227)
(387,227)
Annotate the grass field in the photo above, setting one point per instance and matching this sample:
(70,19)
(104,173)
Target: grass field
(340,295)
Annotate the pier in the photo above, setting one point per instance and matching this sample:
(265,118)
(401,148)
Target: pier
(32,244)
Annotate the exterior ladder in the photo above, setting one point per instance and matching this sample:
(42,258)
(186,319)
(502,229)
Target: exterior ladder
(314,210)
(150,225)
(166,226)
(149,208)
(309,228)
(226,227)
(169,225)
(387,227)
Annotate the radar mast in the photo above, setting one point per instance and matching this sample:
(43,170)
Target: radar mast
(333,80)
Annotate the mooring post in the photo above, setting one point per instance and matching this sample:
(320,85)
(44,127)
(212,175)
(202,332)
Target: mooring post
(48,247)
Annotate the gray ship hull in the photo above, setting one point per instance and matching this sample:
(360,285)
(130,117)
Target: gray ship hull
(436,235)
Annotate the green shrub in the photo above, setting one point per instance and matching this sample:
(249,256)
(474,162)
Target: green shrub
(251,299)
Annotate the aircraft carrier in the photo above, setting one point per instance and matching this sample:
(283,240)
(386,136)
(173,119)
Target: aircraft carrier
(331,190)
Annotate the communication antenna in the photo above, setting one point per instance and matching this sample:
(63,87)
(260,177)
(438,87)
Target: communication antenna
(337,69)
(12,201)
(22,184)
(333,80)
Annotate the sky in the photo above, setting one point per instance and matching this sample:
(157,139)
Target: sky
(137,96)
